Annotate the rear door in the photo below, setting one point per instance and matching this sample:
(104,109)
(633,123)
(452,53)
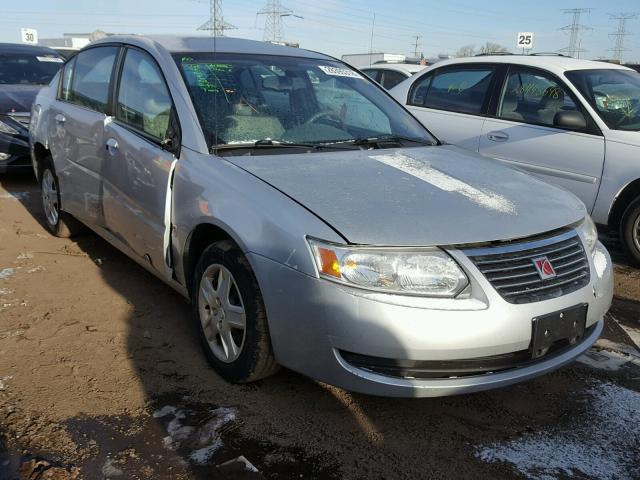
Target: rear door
(77,128)
(139,145)
(451,102)
(522,133)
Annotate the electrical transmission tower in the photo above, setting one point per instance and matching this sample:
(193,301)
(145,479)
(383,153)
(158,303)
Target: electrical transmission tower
(417,44)
(216,24)
(574,30)
(273,28)
(620,34)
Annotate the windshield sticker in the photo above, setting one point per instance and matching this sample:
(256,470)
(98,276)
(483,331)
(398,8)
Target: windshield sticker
(339,72)
(425,172)
(50,59)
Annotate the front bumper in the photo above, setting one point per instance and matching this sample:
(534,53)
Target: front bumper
(312,321)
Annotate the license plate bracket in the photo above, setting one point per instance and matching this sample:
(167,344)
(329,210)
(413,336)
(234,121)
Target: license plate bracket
(568,324)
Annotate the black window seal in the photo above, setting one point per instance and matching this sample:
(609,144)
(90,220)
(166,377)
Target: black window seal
(457,66)
(592,126)
(173,117)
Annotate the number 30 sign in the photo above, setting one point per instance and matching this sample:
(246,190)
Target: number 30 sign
(29,35)
(525,40)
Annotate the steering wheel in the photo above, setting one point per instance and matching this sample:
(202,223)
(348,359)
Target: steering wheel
(322,114)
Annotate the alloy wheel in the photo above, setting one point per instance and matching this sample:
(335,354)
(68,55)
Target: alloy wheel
(222,313)
(50,197)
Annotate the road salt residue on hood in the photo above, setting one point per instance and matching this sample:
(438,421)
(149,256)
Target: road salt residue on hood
(603,444)
(424,171)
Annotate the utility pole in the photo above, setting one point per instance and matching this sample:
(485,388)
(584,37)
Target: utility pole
(417,44)
(274,11)
(620,34)
(574,30)
(216,24)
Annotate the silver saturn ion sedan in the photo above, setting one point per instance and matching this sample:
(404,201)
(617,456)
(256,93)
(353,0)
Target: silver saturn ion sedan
(313,222)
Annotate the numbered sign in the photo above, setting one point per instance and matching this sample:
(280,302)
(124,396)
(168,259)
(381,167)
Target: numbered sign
(525,40)
(29,35)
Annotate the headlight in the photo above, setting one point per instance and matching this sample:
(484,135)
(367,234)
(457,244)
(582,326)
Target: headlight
(589,233)
(428,272)
(4,128)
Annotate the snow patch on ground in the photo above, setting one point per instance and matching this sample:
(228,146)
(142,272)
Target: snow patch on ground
(604,360)
(14,195)
(441,180)
(6,273)
(601,445)
(203,439)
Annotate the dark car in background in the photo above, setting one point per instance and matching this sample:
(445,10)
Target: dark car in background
(24,70)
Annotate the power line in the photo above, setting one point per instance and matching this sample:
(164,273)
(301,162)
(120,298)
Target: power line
(274,11)
(620,34)
(574,49)
(417,44)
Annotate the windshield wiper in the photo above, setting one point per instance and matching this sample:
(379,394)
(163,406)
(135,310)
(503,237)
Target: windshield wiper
(268,143)
(385,139)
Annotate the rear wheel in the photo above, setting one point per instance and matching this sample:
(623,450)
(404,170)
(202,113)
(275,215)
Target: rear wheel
(630,230)
(230,315)
(60,223)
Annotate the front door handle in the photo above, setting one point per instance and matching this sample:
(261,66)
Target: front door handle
(498,136)
(112,146)
(60,119)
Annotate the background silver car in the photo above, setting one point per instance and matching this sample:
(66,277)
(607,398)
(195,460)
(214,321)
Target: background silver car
(313,222)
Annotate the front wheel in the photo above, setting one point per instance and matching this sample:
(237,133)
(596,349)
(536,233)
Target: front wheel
(60,223)
(630,230)
(230,315)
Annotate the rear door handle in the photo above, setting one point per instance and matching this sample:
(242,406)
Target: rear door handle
(498,136)
(112,146)
(60,118)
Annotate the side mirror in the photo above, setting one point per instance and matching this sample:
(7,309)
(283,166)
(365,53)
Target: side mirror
(570,120)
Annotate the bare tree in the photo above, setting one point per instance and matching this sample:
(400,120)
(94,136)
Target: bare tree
(491,47)
(466,51)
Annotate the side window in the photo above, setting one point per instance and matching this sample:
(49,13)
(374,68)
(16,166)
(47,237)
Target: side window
(418,93)
(372,73)
(391,78)
(91,78)
(67,74)
(531,96)
(461,89)
(143,97)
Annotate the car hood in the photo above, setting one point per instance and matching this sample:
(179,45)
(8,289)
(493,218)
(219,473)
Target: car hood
(17,98)
(417,196)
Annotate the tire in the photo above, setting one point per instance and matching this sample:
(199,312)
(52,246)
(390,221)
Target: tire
(237,355)
(630,230)
(59,223)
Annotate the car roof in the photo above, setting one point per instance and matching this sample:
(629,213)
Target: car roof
(22,48)
(405,67)
(553,63)
(178,44)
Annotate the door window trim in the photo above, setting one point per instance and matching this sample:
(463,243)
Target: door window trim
(466,66)
(174,120)
(592,126)
(111,79)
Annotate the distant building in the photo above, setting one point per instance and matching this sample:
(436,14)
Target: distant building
(74,40)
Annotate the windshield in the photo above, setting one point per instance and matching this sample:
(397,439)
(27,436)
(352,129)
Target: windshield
(28,69)
(615,94)
(242,99)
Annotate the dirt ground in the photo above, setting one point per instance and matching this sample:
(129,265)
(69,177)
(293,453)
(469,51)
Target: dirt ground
(101,376)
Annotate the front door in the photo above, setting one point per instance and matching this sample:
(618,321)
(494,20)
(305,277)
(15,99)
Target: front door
(138,168)
(523,134)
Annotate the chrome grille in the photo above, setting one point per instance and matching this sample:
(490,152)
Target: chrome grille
(510,268)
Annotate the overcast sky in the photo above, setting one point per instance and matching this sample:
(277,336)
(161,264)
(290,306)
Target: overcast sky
(339,26)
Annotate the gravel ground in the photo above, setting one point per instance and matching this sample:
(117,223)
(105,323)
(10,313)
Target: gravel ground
(101,376)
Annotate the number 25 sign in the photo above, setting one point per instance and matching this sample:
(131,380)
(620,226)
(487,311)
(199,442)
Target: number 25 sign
(525,40)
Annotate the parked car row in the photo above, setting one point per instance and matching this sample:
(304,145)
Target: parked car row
(313,222)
